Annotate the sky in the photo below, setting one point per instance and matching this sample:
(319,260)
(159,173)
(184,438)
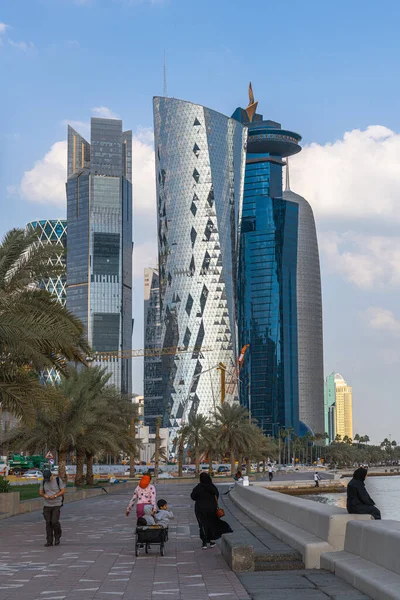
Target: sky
(327,70)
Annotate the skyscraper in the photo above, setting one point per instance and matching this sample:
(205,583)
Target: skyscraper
(200,158)
(153,396)
(54,232)
(99,259)
(343,407)
(278,259)
(330,406)
(309,316)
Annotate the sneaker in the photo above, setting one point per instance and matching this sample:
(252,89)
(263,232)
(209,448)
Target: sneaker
(47,544)
(212,544)
(204,547)
(57,543)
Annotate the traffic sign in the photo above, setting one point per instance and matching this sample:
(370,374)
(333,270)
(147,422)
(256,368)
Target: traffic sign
(51,461)
(49,455)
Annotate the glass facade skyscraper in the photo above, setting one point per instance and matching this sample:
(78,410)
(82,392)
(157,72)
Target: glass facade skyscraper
(273,267)
(54,232)
(99,259)
(200,160)
(152,384)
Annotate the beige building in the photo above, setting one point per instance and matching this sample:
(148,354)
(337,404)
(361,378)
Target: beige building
(343,408)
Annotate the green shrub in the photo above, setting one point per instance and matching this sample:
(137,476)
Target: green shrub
(4,486)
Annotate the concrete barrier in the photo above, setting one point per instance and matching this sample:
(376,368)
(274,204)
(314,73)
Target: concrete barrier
(309,527)
(370,561)
(238,553)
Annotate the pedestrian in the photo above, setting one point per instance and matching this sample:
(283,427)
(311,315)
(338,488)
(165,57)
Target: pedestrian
(270,472)
(238,476)
(206,495)
(145,493)
(317,479)
(52,489)
(163,516)
(359,502)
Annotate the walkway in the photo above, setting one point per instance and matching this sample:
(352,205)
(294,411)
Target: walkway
(96,558)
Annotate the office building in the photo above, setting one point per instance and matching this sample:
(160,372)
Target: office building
(200,159)
(329,406)
(309,316)
(99,259)
(279,289)
(343,408)
(54,232)
(152,379)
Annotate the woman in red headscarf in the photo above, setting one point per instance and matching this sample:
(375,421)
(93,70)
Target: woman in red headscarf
(145,493)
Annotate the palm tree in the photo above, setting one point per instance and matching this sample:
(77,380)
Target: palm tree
(197,427)
(81,415)
(232,421)
(36,332)
(179,443)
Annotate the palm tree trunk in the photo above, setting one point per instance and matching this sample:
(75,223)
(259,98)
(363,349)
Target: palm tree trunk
(248,466)
(157,449)
(264,465)
(80,462)
(258,466)
(89,469)
(180,456)
(210,463)
(132,456)
(232,462)
(62,465)
(197,459)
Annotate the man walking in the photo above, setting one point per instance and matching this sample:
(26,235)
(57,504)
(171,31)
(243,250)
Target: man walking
(317,479)
(52,489)
(270,472)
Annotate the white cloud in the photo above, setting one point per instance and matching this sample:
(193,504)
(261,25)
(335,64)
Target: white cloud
(368,261)
(45,182)
(23,46)
(3,28)
(356,177)
(144,185)
(382,319)
(103,112)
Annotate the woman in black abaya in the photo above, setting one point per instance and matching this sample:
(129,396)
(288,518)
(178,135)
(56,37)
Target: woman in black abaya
(205,495)
(359,502)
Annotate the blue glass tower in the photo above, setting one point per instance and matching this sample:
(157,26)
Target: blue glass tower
(267,277)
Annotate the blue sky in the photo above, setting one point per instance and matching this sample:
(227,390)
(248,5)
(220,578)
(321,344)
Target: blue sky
(319,68)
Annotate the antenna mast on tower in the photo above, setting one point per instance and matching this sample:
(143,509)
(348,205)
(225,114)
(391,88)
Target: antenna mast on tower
(165,77)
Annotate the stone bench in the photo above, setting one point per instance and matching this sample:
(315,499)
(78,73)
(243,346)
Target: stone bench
(309,527)
(370,561)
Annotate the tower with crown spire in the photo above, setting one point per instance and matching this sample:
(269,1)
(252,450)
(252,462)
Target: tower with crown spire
(274,306)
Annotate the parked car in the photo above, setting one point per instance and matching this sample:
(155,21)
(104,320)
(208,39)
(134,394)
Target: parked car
(224,470)
(34,474)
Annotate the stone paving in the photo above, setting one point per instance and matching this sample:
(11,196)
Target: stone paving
(96,558)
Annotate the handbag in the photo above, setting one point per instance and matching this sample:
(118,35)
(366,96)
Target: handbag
(220,513)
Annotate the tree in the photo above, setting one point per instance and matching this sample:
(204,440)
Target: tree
(82,415)
(197,427)
(35,331)
(232,422)
(179,443)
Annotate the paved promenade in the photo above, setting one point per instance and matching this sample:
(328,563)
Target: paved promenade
(96,558)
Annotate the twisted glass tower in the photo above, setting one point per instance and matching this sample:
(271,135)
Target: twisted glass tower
(200,160)
(99,259)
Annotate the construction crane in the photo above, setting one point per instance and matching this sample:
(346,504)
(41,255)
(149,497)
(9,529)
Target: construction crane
(233,376)
(120,354)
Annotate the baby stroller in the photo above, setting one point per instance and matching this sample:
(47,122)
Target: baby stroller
(150,534)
